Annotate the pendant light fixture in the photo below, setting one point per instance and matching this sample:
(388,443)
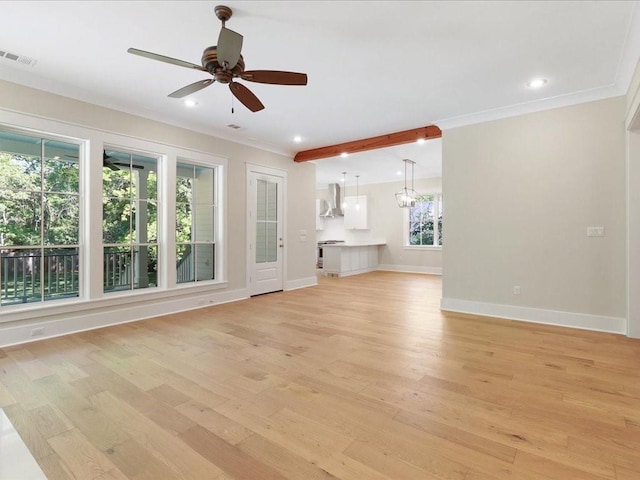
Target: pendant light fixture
(406,197)
(357,193)
(344,186)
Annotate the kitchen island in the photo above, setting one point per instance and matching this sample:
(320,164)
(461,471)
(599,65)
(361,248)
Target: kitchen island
(343,259)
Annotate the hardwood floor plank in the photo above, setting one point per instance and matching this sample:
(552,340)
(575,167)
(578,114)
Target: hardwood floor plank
(506,453)
(553,469)
(28,431)
(49,421)
(5,396)
(169,395)
(54,469)
(92,423)
(289,464)
(230,431)
(175,454)
(385,463)
(235,462)
(346,468)
(135,462)
(19,385)
(623,473)
(80,456)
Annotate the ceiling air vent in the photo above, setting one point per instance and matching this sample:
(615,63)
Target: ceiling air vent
(18,58)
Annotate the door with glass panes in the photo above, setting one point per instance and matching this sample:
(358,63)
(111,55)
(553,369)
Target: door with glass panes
(266,242)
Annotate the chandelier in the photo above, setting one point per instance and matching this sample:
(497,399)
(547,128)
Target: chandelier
(406,197)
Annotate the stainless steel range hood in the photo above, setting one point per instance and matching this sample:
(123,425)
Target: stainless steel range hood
(334,202)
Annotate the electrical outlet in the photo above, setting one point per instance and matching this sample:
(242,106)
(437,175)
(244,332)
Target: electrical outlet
(595,231)
(516,289)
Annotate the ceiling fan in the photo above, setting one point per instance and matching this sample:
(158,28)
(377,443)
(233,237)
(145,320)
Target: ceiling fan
(225,63)
(112,162)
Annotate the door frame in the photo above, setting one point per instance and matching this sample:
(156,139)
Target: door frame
(275,172)
(632,135)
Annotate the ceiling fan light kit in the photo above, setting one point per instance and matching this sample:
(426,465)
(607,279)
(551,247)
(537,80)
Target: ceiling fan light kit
(224,62)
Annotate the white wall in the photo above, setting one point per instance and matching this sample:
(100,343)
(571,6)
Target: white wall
(65,114)
(520,194)
(387,223)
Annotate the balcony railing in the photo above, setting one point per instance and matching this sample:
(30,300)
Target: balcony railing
(23,282)
(21,279)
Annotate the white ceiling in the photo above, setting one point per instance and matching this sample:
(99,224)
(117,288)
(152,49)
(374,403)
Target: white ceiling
(373,67)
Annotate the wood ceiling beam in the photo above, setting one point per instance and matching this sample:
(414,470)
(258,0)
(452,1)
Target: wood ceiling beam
(381,141)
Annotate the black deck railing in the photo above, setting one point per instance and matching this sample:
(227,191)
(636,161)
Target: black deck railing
(22,281)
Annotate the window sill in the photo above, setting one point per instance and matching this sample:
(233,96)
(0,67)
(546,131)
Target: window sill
(47,309)
(434,248)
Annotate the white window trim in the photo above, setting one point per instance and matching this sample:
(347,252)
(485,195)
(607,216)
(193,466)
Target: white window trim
(405,227)
(218,225)
(93,142)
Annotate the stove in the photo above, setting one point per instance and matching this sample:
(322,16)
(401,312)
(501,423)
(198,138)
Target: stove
(319,256)
(330,242)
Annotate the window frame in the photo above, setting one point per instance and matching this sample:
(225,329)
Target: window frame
(217,189)
(92,142)
(406,225)
(132,245)
(42,246)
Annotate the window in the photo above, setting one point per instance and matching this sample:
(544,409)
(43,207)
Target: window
(422,229)
(50,211)
(129,221)
(39,219)
(195,223)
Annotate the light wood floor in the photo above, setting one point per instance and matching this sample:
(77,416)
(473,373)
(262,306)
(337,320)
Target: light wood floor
(359,378)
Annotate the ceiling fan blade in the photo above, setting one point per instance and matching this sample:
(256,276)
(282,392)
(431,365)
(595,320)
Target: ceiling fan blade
(246,96)
(229,47)
(108,161)
(162,58)
(110,165)
(275,77)
(194,87)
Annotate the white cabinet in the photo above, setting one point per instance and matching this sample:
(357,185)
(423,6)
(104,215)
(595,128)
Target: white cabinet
(343,260)
(319,220)
(356,213)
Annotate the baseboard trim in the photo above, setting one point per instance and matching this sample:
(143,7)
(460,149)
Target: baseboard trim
(300,283)
(410,269)
(102,317)
(535,315)
(351,272)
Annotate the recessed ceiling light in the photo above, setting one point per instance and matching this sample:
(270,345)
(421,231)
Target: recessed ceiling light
(297,139)
(420,141)
(537,83)
(189,102)
(398,173)
(344,154)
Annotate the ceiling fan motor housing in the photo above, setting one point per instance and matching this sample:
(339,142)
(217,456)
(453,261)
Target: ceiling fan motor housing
(210,63)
